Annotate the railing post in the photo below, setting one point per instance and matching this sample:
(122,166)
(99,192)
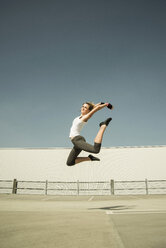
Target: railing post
(146,185)
(46,186)
(14,190)
(78,187)
(112,187)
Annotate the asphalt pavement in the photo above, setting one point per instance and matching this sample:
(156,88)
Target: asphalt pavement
(40,221)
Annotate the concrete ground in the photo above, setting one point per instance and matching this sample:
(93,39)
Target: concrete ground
(82,221)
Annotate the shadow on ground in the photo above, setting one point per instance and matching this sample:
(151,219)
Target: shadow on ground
(119,207)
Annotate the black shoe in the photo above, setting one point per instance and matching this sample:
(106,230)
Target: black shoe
(92,158)
(110,106)
(106,122)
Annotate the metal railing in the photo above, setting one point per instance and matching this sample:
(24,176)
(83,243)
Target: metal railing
(111,187)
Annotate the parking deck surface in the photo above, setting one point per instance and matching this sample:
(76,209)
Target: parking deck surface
(82,221)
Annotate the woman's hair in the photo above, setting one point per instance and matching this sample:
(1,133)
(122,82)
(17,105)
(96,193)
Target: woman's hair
(91,105)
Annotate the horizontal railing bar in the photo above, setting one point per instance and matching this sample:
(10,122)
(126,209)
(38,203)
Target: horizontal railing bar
(6,188)
(95,182)
(94,189)
(149,181)
(79,182)
(158,188)
(82,189)
(156,181)
(129,181)
(7,181)
(131,189)
(137,188)
(63,189)
(32,188)
(31,181)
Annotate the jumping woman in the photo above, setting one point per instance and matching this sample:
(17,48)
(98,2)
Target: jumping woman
(87,111)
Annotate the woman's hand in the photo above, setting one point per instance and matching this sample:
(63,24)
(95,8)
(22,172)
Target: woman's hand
(102,105)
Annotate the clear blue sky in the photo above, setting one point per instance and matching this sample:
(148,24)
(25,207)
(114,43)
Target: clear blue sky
(55,55)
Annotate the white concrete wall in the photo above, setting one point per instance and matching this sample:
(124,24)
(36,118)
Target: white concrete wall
(131,163)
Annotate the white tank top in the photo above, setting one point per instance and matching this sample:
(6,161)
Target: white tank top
(77,126)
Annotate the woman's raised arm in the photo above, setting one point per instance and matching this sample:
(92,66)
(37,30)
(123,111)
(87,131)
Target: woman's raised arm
(97,107)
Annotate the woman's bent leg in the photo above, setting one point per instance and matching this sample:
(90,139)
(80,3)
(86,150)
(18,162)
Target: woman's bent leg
(74,159)
(80,143)
(99,136)
(72,156)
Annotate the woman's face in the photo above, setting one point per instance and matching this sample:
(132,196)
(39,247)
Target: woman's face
(85,109)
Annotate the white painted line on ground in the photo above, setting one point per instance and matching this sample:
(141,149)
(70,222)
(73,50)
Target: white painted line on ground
(148,211)
(109,212)
(91,198)
(47,198)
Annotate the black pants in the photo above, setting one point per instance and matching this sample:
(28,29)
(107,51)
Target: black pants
(80,144)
